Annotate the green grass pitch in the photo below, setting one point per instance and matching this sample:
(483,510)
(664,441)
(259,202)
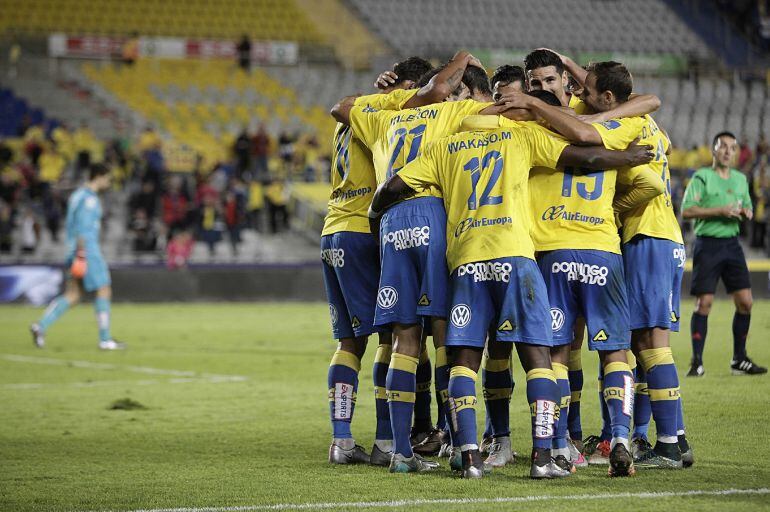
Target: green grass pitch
(236,416)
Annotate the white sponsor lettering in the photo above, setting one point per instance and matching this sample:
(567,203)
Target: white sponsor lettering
(583,272)
(407,238)
(545,417)
(679,254)
(333,257)
(487,271)
(343,401)
(628,395)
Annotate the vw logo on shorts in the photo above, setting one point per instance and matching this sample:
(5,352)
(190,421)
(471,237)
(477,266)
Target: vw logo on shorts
(387,297)
(460,315)
(557,319)
(333,314)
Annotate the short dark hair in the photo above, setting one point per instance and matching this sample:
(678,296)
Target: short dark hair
(425,78)
(477,80)
(97,170)
(722,134)
(542,59)
(508,74)
(546,96)
(614,77)
(411,69)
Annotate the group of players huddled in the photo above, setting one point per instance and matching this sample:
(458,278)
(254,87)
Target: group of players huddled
(521,211)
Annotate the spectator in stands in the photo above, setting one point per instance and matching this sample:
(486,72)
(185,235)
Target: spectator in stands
(242,152)
(275,196)
(210,225)
(143,231)
(256,205)
(53,210)
(260,149)
(758,179)
(51,166)
(235,212)
(745,156)
(30,231)
(6,227)
(130,50)
(14,55)
(179,249)
(244,53)
(83,140)
(175,205)
(145,199)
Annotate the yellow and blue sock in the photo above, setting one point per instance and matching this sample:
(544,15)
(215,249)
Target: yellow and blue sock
(401,384)
(343,386)
(576,391)
(422,420)
(606,433)
(642,410)
(441,372)
(560,435)
(497,381)
(663,387)
(102,309)
(619,397)
(543,397)
(461,407)
(380,374)
(55,309)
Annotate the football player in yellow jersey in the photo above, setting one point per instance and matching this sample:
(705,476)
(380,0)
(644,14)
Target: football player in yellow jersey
(351,272)
(496,287)
(654,257)
(413,281)
(601,281)
(547,70)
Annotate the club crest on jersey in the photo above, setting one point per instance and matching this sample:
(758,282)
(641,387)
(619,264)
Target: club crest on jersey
(557,319)
(387,297)
(460,315)
(333,314)
(611,124)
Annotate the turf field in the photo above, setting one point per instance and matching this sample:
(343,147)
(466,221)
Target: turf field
(235,415)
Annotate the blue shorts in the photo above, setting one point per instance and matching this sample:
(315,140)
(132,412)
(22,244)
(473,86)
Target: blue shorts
(654,269)
(97,273)
(505,297)
(589,284)
(414,278)
(351,268)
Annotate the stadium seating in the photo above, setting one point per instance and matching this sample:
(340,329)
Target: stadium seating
(441,26)
(13,110)
(261,19)
(203,104)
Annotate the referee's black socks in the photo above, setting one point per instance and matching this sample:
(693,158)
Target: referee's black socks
(740,332)
(698,331)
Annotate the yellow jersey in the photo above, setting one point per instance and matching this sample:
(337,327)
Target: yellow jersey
(482,176)
(352,173)
(572,208)
(397,138)
(576,104)
(655,218)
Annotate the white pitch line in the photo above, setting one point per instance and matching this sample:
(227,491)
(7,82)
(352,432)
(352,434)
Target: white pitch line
(180,376)
(457,501)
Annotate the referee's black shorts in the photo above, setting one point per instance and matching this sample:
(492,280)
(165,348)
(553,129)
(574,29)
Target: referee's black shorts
(715,258)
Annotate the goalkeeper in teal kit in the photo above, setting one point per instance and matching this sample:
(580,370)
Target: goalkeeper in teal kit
(87,269)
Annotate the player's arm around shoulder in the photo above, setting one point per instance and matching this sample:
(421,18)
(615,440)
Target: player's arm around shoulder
(643,185)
